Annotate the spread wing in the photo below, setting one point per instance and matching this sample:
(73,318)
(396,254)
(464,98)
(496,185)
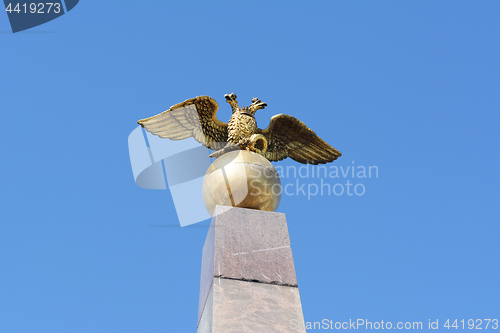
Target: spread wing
(195,117)
(289,137)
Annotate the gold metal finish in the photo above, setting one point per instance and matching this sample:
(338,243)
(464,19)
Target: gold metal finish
(242,179)
(286,136)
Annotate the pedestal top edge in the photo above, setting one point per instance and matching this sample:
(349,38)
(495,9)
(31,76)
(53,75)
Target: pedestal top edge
(223,209)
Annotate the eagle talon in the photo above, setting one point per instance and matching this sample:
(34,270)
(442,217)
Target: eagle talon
(244,142)
(229,147)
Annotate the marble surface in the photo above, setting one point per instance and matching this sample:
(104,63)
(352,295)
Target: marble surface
(246,258)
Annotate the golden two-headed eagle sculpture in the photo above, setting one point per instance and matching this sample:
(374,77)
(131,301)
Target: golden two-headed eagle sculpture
(285,136)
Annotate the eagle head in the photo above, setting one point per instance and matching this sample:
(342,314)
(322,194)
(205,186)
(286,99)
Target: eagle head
(256,105)
(231,99)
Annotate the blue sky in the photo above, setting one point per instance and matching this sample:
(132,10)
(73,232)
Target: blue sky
(411,87)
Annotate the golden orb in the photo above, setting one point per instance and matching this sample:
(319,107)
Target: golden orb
(242,179)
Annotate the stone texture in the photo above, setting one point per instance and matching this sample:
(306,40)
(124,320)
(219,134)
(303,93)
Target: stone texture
(248,276)
(243,306)
(207,268)
(205,324)
(253,245)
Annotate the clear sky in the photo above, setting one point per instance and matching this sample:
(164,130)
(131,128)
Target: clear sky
(411,87)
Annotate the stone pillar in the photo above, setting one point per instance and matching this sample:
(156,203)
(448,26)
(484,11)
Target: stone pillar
(248,281)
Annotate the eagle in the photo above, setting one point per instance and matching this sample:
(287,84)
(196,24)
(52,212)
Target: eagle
(286,136)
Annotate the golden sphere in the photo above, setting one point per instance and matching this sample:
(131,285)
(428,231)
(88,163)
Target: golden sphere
(242,179)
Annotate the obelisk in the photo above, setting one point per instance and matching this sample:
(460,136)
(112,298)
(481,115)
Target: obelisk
(248,281)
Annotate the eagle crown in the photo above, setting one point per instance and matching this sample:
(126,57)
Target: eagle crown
(256,104)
